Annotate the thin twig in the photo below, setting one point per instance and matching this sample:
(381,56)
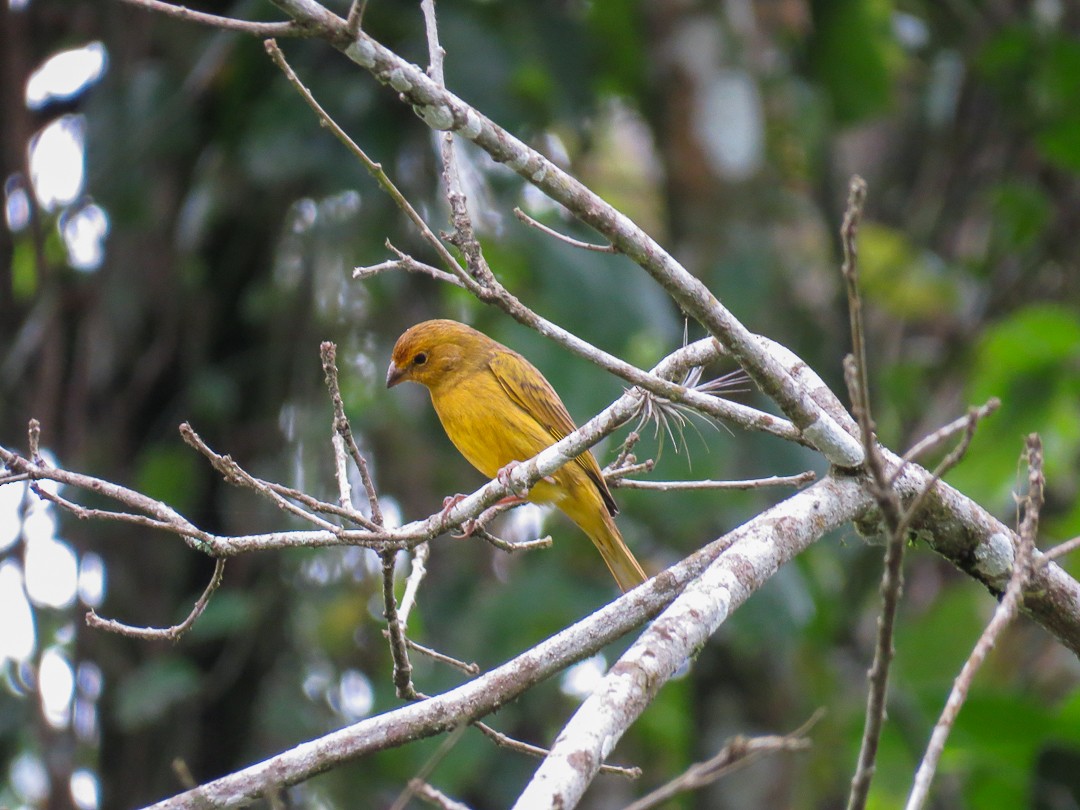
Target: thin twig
(736,753)
(165,516)
(626,456)
(395,632)
(409,265)
(856,375)
(328,352)
(506,545)
(314,504)
(233,473)
(355,20)
(463,237)
(943,434)
(532,223)
(1061,549)
(469,668)
(33,440)
(800,480)
(162,633)
(412,584)
(374,169)
(85,513)
(954,457)
(435,797)
(1005,612)
(287,28)
(504,741)
(631,466)
(429,767)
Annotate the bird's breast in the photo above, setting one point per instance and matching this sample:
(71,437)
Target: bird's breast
(485,425)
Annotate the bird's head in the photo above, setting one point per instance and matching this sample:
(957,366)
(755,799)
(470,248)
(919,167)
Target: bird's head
(435,352)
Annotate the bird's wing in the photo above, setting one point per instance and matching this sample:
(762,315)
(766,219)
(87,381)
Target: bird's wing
(531,392)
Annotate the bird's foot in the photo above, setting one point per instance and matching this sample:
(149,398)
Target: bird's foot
(503,477)
(449,502)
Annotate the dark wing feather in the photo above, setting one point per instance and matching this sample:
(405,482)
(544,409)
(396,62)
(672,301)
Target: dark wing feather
(531,392)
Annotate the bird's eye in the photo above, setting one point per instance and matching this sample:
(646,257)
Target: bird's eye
(420,359)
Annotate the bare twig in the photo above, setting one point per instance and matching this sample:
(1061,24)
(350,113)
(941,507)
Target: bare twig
(944,433)
(355,20)
(84,513)
(532,223)
(954,457)
(800,480)
(505,741)
(626,456)
(506,545)
(629,466)
(162,633)
(233,473)
(183,773)
(33,440)
(412,584)
(374,169)
(162,515)
(328,352)
(435,797)
(428,767)
(1005,612)
(856,376)
(469,668)
(736,753)
(396,632)
(409,265)
(1061,549)
(287,28)
(315,505)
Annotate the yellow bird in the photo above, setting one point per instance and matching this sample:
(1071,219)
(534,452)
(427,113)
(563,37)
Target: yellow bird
(498,409)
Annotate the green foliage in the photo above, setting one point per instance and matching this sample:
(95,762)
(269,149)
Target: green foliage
(154,690)
(1022,211)
(853,39)
(1030,361)
(895,276)
(1036,72)
(168,473)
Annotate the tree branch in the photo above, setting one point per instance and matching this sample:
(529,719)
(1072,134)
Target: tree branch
(754,552)
(830,502)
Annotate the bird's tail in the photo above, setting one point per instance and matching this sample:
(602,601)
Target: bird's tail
(601,529)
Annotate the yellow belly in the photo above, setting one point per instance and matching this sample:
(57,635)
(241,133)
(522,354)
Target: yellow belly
(490,430)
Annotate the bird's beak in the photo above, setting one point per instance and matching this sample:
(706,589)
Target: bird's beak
(394,375)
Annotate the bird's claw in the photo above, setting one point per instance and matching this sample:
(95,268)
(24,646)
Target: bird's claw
(503,477)
(449,502)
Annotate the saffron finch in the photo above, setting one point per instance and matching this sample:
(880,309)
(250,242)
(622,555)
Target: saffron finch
(498,409)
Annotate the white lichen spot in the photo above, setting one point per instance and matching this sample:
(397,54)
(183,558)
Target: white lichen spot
(472,126)
(519,162)
(399,80)
(362,52)
(436,116)
(539,175)
(995,557)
